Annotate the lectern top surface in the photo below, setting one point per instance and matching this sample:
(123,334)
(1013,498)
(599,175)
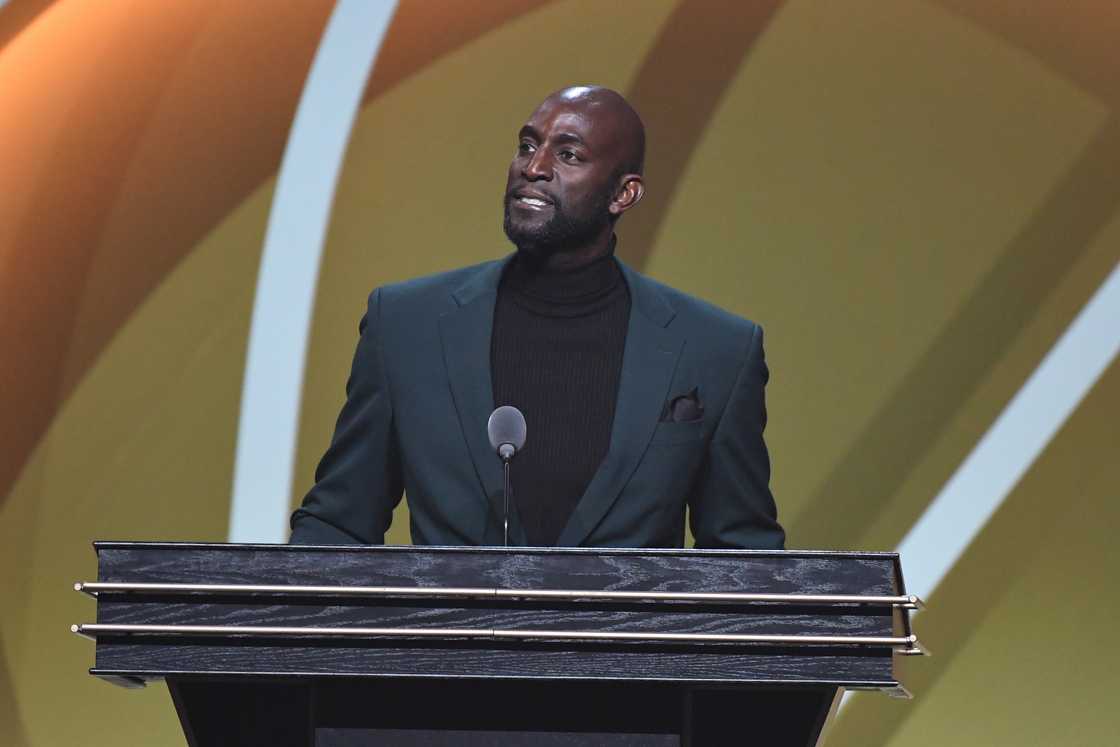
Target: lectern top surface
(672,551)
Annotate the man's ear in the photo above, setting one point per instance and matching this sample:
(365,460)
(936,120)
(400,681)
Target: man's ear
(629,193)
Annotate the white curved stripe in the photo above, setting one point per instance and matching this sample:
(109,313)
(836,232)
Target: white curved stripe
(1014,441)
(289,270)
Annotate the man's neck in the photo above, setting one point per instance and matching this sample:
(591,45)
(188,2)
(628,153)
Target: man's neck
(571,259)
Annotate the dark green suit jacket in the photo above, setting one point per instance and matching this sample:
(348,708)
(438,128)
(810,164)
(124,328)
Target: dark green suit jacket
(419,397)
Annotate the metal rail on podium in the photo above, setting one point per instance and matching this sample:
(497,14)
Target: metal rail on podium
(333,646)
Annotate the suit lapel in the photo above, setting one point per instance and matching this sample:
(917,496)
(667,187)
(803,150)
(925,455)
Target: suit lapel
(648,362)
(465,333)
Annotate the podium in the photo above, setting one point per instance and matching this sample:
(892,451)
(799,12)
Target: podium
(373,645)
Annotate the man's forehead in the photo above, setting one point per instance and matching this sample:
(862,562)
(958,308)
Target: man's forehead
(577,117)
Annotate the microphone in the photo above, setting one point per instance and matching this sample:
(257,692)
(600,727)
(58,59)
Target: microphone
(507,431)
(506,428)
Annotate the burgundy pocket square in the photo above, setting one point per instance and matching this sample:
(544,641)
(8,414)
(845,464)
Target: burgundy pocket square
(684,409)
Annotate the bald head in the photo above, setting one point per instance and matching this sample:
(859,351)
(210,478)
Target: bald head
(577,169)
(609,109)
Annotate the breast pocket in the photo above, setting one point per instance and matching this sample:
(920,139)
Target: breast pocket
(669,432)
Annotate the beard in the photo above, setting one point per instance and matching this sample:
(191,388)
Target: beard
(564,229)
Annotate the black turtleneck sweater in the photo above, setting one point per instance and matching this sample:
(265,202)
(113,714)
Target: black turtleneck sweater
(556,354)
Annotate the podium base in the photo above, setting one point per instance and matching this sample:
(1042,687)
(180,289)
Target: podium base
(346,712)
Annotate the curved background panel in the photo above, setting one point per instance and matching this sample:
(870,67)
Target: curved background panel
(916,199)
(120,154)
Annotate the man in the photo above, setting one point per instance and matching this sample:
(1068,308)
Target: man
(639,399)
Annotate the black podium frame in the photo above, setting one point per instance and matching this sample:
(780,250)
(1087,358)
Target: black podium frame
(272,644)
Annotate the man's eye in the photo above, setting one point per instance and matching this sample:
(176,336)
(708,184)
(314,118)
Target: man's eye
(524,148)
(568,155)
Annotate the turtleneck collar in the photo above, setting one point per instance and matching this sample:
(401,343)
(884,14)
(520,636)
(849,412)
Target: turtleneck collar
(529,278)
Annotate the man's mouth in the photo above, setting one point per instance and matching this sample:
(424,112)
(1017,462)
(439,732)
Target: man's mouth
(532,202)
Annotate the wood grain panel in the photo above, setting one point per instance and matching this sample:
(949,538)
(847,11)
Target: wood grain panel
(617,570)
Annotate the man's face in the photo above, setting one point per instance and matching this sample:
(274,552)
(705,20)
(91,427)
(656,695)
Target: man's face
(562,180)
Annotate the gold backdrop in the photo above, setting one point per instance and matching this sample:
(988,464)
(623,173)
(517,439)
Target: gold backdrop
(915,198)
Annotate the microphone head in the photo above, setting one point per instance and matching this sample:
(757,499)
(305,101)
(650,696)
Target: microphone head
(506,428)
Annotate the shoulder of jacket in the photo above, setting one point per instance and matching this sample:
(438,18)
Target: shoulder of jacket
(695,312)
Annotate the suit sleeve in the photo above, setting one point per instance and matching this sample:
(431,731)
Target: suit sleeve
(358,482)
(732,506)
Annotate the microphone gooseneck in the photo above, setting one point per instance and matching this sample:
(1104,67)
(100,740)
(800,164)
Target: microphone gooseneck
(506,428)
(507,488)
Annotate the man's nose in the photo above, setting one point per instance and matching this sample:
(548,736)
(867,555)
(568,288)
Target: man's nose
(538,167)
